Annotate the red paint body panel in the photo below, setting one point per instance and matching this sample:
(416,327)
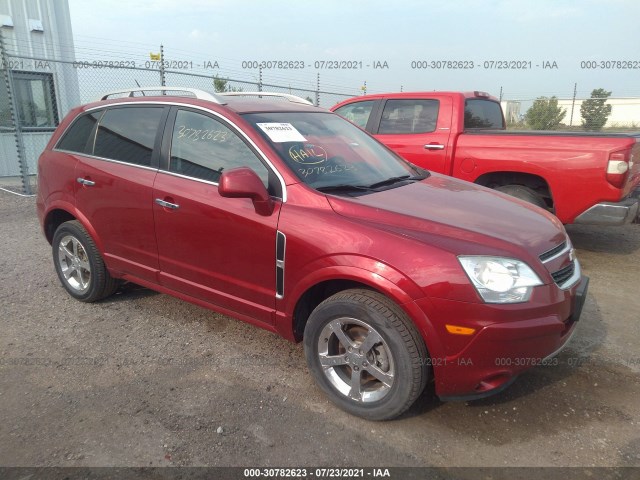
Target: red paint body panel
(119,206)
(220,252)
(56,190)
(573,165)
(411,147)
(214,248)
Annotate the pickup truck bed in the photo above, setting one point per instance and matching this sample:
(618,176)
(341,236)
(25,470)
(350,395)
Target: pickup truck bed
(588,178)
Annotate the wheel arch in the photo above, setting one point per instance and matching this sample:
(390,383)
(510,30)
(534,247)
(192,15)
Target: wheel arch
(53,220)
(316,294)
(531,180)
(326,282)
(60,213)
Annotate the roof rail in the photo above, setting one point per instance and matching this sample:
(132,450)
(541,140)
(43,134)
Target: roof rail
(291,98)
(199,94)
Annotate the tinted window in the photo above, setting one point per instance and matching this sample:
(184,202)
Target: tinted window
(203,147)
(77,138)
(357,113)
(128,134)
(409,116)
(483,114)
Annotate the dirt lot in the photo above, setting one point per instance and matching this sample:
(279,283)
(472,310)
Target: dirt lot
(144,379)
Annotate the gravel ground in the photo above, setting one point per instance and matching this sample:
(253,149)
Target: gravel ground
(144,379)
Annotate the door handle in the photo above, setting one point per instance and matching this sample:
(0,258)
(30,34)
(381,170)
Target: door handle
(85,182)
(165,204)
(434,146)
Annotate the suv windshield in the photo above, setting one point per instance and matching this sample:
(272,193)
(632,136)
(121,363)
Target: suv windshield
(330,154)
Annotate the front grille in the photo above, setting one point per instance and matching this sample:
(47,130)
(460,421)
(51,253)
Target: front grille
(564,274)
(550,253)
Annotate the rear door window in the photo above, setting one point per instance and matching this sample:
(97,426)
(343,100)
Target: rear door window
(128,134)
(409,116)
(484,114)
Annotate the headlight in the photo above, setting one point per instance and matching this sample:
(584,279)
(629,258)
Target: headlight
(500,280)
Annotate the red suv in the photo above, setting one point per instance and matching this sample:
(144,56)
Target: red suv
(289,217)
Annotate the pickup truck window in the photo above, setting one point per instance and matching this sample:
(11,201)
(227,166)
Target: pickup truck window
(327,152)
(485,114)
(357,112)
(409,116)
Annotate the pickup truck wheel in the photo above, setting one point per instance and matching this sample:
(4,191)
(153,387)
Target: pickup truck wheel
(523,193)
(366,354)
(79,265)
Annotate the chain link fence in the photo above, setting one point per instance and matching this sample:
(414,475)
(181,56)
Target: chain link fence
(577,114)
(36,93)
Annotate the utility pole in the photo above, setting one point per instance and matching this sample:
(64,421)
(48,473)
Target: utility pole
(318,91)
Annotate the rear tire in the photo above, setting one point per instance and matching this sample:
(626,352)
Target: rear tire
(79,264)
(366,354)
(523,193)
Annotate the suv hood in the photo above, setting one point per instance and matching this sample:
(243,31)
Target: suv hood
(445,212)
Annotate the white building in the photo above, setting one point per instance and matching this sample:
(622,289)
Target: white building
(511,109)
(34,33)
(625,112)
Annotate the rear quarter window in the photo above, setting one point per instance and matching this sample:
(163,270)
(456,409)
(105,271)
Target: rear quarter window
(78,137)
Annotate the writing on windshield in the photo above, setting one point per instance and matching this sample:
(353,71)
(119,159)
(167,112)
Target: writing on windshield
(324,151)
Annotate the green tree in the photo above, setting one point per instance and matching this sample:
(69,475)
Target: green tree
(221,85)
(595,111)
(545,114)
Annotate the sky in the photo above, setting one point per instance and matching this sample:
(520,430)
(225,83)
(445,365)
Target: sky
(393,35)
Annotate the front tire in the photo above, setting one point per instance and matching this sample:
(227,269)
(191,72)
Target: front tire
(366,354)
(79,265)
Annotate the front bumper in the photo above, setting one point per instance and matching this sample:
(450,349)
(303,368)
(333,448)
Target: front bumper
(609,213)
(498,352)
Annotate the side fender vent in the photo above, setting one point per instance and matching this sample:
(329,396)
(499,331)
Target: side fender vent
(281,246)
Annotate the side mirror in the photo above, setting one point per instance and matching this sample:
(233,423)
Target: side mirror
(242,182)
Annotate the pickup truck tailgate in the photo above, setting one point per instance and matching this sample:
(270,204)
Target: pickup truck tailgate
(634,166)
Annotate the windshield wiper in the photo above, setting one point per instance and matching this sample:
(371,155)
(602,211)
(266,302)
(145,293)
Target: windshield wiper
(392,180)
(344,187)
(369,188)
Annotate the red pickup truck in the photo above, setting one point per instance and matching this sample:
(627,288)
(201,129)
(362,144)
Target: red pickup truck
(580,177)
